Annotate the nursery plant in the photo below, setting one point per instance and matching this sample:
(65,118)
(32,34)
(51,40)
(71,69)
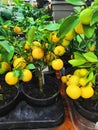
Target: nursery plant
(29,44)
(16,62)
(82,27)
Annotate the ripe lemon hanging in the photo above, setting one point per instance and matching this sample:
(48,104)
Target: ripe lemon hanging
(59,50)
(57,64)
(10,78)
(73,91)
(27,75)
(38,53)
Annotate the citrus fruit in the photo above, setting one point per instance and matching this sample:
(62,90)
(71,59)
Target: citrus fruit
(79,29)
(87,91)
(17,30)
(64,79)
(70,35)
(27,46)
(77,72)
(83,72)
(57,64)
(92,48)
(19,62)
(5,27)
(4,66)
(37,53)
(82,81)
(86,16)
(74,80)
(49,57)
(54,37)
(27,75)
(35,44)
(10,78)
(65,42)
(68,76)
(59,50)
(73,91)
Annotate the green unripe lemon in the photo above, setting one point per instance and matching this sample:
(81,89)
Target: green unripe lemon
(86,16)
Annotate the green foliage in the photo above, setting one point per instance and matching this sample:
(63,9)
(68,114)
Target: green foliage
(68,24)
(76,2)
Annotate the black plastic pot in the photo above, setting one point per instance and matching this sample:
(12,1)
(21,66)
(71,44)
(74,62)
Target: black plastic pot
(10,97)
(87,108)
(34,96)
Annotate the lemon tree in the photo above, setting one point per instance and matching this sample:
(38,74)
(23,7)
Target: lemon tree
(82,31)
(84,75)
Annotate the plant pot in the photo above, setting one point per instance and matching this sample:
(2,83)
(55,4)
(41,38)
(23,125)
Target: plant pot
(88,108)
(10,97)
(34,96)
(61,9)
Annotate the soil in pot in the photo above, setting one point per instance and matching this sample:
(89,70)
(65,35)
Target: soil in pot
(8,97)
(88,108)
(34,96)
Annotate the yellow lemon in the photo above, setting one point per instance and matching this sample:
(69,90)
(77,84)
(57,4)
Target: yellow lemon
(19,62)
(77,72)
(27,75)
(79,29)
(17,30)
(54,37)
(74,80)
(70,35)
(27,46)
(73,91)
(57,64)
(10,78)
(38,53)
(64,79)
(87,92)
(82,81)
(83,72)
(65,42)
(92,48)
(59,50)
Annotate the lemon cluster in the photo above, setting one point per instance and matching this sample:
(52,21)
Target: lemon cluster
(78,84)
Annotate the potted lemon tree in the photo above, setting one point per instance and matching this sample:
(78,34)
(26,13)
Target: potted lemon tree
(28,46)
(45,50)
(14,54)
(84,50)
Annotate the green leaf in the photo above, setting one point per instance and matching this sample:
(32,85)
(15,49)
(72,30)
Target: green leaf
(76,2)
(16,73)
(94,17)
(90,76)
(68,24)
(5,45)
(88,30)
(30,34)
(11,53)
(77,55)
(90,56)
(52,26)
(30,66)
(2,38)
(77,62)
(18,1)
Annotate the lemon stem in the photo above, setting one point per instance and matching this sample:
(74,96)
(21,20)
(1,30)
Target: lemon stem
(40,83)
(40,78)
